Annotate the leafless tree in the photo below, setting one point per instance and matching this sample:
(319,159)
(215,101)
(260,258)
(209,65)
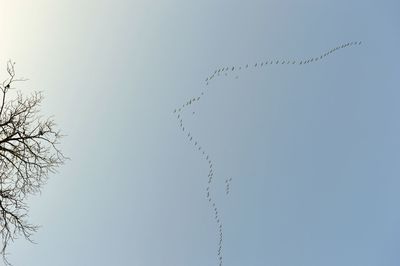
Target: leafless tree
(29,151)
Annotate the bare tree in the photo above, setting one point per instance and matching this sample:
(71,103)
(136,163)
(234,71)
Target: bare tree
(28,153)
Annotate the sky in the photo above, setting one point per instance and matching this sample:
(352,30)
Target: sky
(312,150)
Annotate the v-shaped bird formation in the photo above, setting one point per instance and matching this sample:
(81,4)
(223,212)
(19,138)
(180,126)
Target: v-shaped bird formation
(194,141)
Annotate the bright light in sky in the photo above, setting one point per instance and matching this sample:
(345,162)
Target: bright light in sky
(312,151)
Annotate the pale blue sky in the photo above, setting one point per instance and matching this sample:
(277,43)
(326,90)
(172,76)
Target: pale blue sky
(313,151)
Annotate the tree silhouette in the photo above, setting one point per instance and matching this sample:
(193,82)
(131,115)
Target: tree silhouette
(28,153)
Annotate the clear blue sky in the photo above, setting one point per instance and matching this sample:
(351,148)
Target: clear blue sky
(313,151)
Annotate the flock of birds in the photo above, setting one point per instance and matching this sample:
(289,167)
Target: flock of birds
(205,155)
(228,185)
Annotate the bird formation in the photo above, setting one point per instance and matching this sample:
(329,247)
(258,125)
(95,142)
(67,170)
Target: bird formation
(209,162)
(196,144)
(228,185)
(237,69)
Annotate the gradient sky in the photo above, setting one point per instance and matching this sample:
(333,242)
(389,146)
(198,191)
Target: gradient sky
(313,151)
